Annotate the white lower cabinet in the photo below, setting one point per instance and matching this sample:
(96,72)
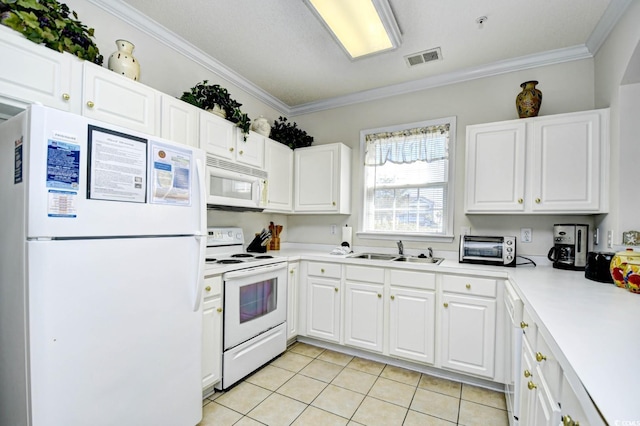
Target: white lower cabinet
(212,332)
(412,324)
(468,325)
(323,301)
(292,300)
(364,307)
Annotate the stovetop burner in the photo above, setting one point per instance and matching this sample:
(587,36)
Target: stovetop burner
(210,259)
(266,256)
(242,255)
(227,261)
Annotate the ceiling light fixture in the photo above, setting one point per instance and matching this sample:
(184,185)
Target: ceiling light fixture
(361,27)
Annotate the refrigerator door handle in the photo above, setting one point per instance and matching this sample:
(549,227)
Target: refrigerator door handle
(203,199)
(199,285)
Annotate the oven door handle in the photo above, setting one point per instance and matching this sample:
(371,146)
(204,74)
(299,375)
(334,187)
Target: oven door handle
(254,271)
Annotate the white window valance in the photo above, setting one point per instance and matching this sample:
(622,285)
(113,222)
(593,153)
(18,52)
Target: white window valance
(407,146)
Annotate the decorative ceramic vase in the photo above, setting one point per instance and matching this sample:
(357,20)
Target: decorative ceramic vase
(261,126)
(619,265)
(217,110)
(123,62)
(529,100)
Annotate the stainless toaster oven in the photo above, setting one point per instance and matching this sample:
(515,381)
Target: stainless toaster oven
(487,250)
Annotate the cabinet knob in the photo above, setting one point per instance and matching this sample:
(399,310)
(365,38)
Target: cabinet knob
(333,203)
(208,288)
(66,96)
(393,297)
(379,296)
(527,373)
(322,270)
(335,289)
(230,149)
(291,271)
(446,305)
(568,421)
(468,286)
(219,309)
(520,201)
(241,152)
(540,357)
(538,200)
(531,385)
(90,104)
(523,324)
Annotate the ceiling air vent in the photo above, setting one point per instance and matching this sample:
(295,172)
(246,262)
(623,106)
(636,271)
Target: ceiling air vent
(423,57)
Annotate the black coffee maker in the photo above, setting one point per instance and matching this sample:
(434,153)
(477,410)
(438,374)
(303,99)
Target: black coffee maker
(570,246)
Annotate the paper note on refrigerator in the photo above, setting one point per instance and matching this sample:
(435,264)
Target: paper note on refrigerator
(170,175)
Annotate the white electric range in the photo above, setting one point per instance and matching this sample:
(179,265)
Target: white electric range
(254,303)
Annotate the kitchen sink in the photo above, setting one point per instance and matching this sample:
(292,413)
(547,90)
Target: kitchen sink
(417,259)
(374,256)
(397,258)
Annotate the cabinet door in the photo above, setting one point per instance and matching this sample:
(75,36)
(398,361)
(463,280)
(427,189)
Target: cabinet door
(363,313)
(545,409)
(292,301)
(468,334)
(34,73)
(279,167)
(217,135)
(566,163)
(526,389)
(179,121)
(115,99)
(412,324)
(316,180)
(323,308)
(211,341)
(251,151)
(495,166)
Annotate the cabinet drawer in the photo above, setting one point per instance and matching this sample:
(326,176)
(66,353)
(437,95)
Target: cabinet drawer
(362,273)
(469,285)
(413,279)
(330,270)
(548,365)
(212,286)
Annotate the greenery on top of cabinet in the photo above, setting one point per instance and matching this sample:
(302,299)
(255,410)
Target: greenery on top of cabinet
(49,22)
(290,134)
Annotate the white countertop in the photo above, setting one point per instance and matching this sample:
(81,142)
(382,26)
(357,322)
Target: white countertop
(593,324)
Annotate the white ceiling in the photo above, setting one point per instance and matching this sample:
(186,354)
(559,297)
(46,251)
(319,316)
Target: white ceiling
(279,49)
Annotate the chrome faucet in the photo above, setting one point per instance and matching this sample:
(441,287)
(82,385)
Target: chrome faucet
(400,248)
(430,250)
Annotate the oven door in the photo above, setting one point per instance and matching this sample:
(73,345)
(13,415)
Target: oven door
(255,300)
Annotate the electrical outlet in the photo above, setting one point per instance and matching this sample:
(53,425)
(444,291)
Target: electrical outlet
(526,235)
(333,229)
(609,239)
(596,237)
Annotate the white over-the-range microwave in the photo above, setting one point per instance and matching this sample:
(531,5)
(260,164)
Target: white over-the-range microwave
(235,187)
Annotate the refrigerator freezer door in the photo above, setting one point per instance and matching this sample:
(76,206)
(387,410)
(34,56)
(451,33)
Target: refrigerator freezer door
(114,339)
(139,192)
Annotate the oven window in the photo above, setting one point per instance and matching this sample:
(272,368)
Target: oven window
(483,249)
(258,299)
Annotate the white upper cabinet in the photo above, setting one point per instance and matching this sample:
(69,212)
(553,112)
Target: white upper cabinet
(278,159)
(33,73)
(113,98)
(322,179)
(179,121)
(222,138)
(550,164)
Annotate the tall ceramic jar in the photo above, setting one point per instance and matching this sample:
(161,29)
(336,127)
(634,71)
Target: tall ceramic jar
(123,62)
(529,100)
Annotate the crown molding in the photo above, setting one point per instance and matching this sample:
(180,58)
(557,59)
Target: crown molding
(145,24)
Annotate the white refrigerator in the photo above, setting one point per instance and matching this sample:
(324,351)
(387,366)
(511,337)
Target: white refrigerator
(102,237)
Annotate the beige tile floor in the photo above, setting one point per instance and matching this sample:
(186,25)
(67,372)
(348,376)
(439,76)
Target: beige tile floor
(308,385)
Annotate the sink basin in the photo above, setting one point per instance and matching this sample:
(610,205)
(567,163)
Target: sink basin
(374,256)
(416,259)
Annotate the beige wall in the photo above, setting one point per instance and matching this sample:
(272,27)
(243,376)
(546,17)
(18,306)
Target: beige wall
(616,64)
(478,101)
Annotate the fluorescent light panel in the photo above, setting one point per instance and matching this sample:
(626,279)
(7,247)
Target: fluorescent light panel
(362,27)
